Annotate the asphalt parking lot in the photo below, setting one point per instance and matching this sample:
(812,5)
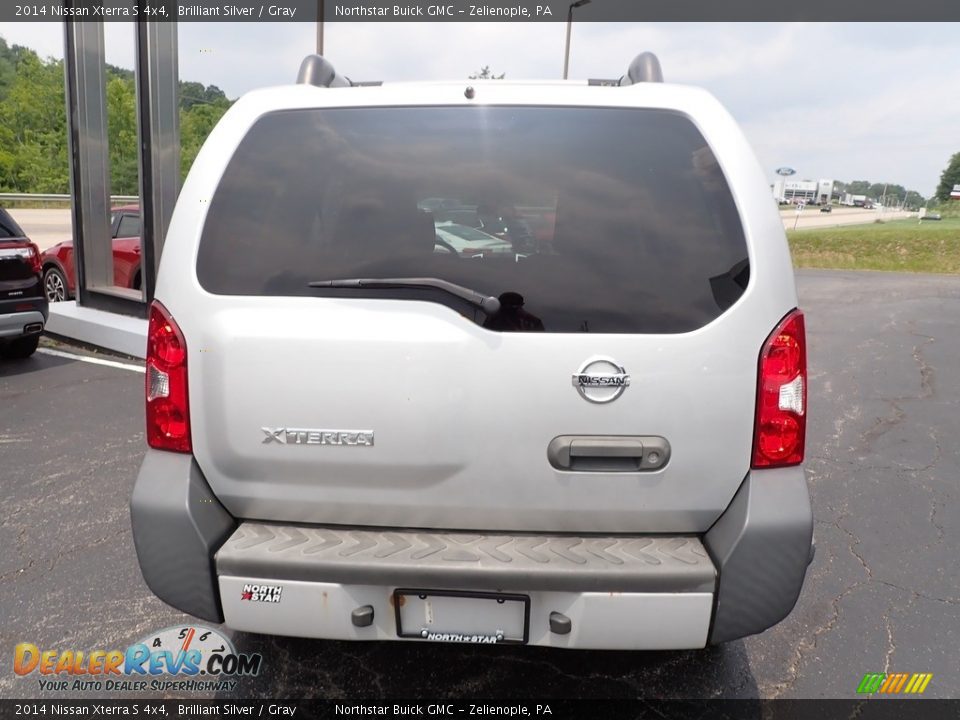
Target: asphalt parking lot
(881,595)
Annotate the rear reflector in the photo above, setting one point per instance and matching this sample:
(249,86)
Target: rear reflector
(781,422)
(168,406)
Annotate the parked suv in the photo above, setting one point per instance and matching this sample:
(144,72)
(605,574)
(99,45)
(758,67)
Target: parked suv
(356,433)
(23,307)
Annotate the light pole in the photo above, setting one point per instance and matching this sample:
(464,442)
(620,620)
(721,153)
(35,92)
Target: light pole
(320,27)
(566,51)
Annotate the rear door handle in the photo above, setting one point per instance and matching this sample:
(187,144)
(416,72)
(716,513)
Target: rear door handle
(608,453)
(619,447)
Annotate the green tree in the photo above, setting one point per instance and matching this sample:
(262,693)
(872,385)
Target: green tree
(195,125)
(895,194)
(213,94)
(122,136)
(914,200)
(8,68)
(191,93)
(859,187)
(33,142)
(949,178)
(33,123)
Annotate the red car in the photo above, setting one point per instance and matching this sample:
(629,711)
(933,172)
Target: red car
(59,268)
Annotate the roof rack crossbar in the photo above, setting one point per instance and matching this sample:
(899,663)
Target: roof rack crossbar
(644,68)
(317,70)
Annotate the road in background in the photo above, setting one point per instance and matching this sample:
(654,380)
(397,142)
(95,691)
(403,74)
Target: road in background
(811,216)
(45,227)
(50,226)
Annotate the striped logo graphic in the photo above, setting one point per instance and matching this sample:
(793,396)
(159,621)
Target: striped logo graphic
(895,683)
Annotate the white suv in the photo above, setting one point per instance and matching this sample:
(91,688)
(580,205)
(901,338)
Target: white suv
(361,431)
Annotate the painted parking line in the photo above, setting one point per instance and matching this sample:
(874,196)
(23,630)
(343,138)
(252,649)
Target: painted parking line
(92,360)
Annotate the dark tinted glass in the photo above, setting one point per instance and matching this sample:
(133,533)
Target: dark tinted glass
(129,226)
(598,219)
(8,226)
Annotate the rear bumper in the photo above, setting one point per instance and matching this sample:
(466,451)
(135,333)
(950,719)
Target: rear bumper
(615,592)
(597,620)
(761,546)
(17,324)
(637,592)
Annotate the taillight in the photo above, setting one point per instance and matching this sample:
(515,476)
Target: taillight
(23,249)
(34,257)
(781,422)
(168,405)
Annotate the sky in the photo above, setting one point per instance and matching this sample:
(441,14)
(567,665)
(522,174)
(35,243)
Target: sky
(846,101)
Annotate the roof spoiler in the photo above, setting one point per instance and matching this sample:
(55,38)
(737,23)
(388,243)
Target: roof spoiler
(644,68)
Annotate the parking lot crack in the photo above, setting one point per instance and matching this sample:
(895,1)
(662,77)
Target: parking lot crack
(636,684)
(882,425)
(11,515)
(919,595)
(891,645)
(373,672)
(852,546)
(805,647)
(76,548)
(933,521)
(18,571)
(936,458)
(926,371)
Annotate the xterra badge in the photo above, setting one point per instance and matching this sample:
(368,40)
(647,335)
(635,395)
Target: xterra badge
(601,380)
(310,436)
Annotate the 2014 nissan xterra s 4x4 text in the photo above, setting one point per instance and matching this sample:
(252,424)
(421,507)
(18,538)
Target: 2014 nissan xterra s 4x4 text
(579,423)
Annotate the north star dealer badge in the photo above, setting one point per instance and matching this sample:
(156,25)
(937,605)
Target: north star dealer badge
(261,593)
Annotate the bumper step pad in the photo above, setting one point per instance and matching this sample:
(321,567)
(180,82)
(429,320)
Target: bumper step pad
(655,564)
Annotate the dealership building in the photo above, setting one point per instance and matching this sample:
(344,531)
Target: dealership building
(806,191)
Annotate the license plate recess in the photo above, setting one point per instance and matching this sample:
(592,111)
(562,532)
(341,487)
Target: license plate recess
(462,616)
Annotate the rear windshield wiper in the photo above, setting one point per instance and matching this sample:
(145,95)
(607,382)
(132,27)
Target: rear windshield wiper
(489,304)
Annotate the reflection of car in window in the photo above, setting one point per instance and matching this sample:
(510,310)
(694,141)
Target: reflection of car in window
(503,222)
(470,241)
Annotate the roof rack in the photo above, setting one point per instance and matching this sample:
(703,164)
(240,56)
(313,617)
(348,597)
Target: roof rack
(644,68)
(317,70)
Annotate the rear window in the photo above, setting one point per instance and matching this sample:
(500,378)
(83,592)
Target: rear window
(8,226)
(579,219)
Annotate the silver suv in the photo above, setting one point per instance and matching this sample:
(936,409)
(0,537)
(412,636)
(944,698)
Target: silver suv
(360,430)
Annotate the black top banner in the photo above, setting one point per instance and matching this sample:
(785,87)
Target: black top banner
(481,10)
